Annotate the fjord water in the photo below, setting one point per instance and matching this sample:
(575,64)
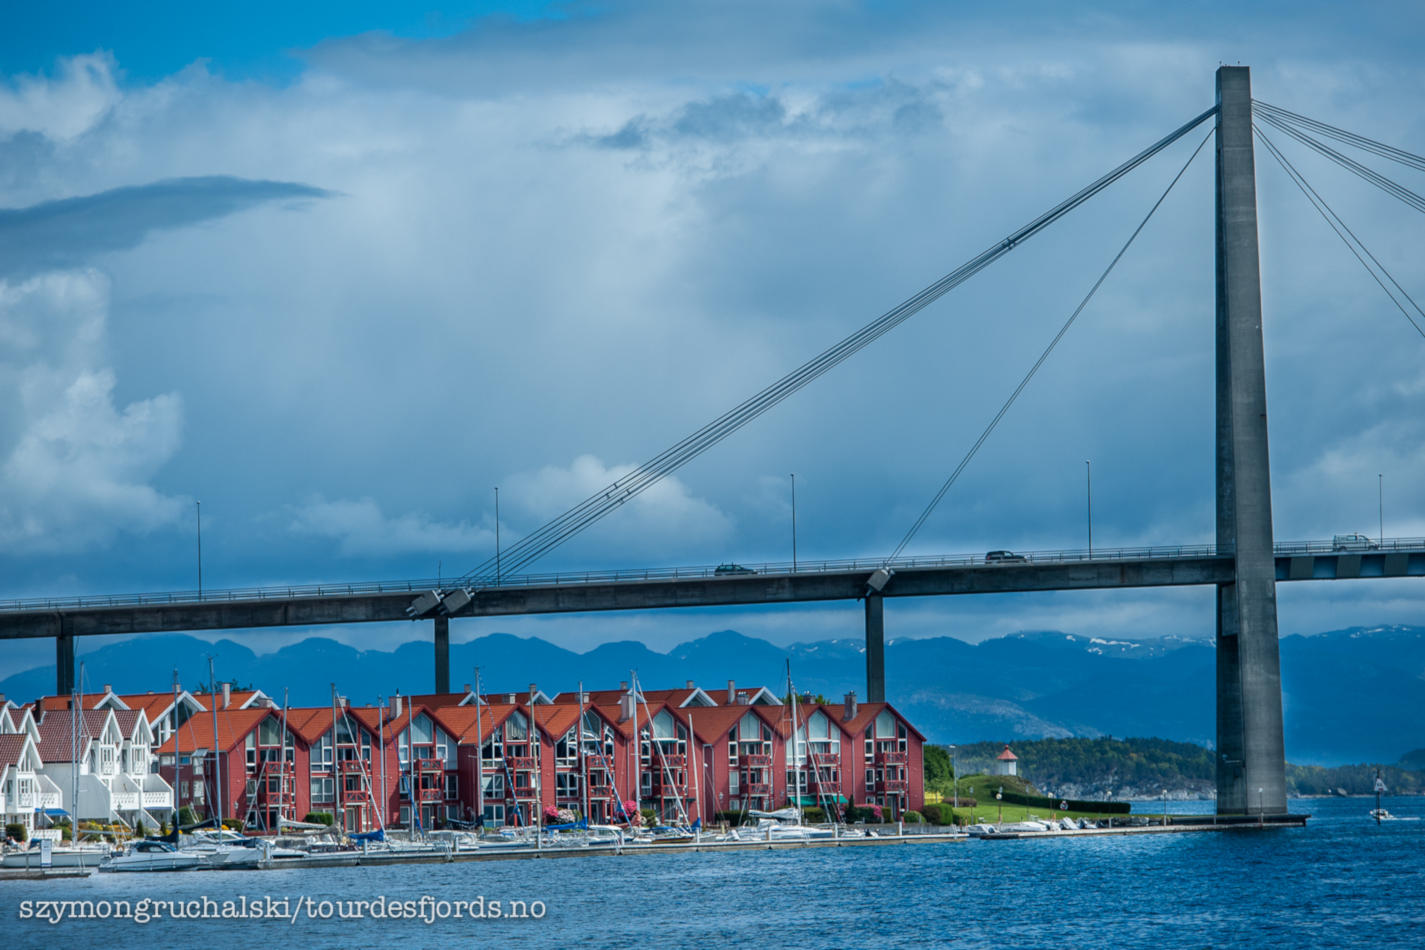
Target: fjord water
(1340,882)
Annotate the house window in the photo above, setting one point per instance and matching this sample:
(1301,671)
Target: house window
(494,814)
(452,785)
(323,790)
(250,745)
(322,753)
(566,785)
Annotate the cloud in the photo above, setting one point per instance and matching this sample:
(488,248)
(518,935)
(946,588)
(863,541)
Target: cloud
(72,231)
(662,517)
(62,108)
(363,530)
(76,466)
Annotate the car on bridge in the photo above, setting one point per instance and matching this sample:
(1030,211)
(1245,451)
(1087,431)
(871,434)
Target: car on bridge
(730,568)
(1353,542)
(1004,557)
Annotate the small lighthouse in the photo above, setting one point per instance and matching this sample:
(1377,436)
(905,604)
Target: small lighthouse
(1007,763)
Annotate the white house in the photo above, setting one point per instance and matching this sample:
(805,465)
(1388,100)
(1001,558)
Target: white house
(1007,763)
(105,754)
(25,791)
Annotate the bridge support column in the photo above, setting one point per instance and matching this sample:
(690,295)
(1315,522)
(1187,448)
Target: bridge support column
(875,648)
(63,657)
(442,654)
(1251,766)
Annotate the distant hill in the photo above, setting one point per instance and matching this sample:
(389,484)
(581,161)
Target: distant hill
(1349,696)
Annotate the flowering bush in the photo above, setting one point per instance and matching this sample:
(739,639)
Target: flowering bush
(566,816)
(551,814)
(876,813)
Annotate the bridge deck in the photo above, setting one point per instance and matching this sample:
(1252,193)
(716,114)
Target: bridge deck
(691,587)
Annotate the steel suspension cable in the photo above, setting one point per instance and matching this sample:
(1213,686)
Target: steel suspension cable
(1390,187)
(1341,135)
(975,448)
(1336,224)
(596,506)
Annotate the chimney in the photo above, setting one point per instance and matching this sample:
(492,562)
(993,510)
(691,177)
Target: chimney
(623,685)
(108,688)
(742,698)
(510,698)
(227,694)
(690,684)
(532,691)
(625,707)
(396,705)
(850,711)
(341,701)
(465,689)
(731,692)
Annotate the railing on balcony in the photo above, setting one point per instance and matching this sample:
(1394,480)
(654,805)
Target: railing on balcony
(825,785)
(891,757)
(757,788)
(670,761)
(124,801)
(894,785)
(755,761)
(427,765)
(521,763)
(51,800)
(825,759)
(599,790)
(523,792)
(158,799)
(346,766)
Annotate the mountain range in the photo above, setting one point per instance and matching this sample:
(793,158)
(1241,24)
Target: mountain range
(1351,695)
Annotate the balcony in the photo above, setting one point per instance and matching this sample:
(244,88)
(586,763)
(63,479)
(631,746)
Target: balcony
(756,762)
(757,788)
(428,765)
(520,763)
(825,760)
(158,799)
(828,786)
(891,757)
(600,791)
(50,800)
(124,801)
(670,761)
(894,785)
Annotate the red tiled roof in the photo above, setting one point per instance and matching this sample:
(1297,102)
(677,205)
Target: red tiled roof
(557,719)
(11,746)
(235,701)
(1007,756)
(197,732)
(154,705)
(57,733)
(86,700)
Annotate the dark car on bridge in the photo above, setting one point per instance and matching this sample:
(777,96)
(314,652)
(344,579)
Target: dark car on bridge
(1004,557)
(730,568)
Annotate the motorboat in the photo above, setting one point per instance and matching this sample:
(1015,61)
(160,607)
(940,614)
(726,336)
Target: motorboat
(151,855)
(83,856)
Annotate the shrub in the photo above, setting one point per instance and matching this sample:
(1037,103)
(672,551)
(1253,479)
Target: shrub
(140,829)
(186,816)
(650,817)
(914,818)
(16,831)
(232,824)
(935,814)
(320,818)
(814,814)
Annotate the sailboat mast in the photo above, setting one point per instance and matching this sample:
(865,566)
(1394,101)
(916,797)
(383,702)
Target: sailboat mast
(217,766)
(282,778)
(177,765)
(796,763)
(381,746)
(336,773)
(479,758)
(583,771)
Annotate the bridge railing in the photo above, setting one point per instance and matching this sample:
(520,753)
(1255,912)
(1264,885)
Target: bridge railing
(634,575)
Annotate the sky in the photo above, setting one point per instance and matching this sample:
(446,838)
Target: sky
(335,273)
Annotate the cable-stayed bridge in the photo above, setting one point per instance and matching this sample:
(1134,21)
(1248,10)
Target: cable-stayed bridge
(1244,566)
